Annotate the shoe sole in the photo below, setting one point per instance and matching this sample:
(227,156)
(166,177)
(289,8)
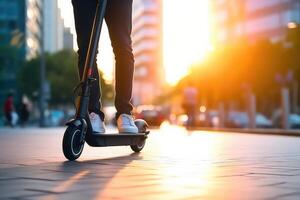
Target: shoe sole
(129,131)
(98,132)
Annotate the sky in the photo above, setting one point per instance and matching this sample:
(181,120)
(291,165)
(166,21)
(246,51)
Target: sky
(186,37)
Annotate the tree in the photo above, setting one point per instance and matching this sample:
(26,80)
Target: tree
(61,72)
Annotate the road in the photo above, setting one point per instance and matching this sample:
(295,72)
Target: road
(175,164)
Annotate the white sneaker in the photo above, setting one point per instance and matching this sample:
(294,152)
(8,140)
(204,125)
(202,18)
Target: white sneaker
(97,124)
(126,124)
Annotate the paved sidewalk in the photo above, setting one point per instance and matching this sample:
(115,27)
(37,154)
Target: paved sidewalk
(175,164)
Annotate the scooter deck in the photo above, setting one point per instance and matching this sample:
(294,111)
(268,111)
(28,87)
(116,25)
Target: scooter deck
(116,139)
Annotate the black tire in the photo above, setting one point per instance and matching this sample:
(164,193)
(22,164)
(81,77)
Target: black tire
(139,147)
(72,147)
(142,126)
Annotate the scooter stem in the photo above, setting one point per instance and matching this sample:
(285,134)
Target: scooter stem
(86,79)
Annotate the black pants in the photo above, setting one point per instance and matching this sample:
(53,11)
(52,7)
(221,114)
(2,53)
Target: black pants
(118,18)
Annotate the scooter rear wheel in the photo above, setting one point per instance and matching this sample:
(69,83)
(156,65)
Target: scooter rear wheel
(142,127)
(72,144)
(139,147)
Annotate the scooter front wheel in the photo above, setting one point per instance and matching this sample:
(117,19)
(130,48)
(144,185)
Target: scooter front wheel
(72,143)
(142,127)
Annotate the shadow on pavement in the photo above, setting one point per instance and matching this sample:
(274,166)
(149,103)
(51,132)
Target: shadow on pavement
(70,179)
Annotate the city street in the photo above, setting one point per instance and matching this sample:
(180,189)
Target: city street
(175,164)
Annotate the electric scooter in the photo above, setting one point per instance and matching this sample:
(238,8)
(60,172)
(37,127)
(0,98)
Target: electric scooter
(79,129)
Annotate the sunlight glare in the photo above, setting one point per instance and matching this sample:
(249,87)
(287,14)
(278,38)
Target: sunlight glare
(182,164)
(186,36)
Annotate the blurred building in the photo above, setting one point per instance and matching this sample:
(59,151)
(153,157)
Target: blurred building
(21,23)
(12,28)
(147,48)
(253,19)
(12,22)
(53,27)
(33,32)
(68,39)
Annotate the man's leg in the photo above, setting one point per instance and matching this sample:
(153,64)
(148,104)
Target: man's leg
(119,21)
(9,118)
(84,12)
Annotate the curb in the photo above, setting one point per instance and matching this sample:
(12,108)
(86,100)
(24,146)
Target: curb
(294,133)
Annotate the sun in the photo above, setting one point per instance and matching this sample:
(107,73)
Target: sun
(186,36)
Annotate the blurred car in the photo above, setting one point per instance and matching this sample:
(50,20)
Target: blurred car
(294,120)
(54,117)
(237,119)
(203,119)
(209,118)
(263,122)
(153,115)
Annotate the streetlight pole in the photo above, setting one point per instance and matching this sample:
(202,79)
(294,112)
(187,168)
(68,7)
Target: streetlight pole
(42,100)
(285,105)
(291,26)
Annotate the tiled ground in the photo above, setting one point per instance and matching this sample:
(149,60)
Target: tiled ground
(175,164)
